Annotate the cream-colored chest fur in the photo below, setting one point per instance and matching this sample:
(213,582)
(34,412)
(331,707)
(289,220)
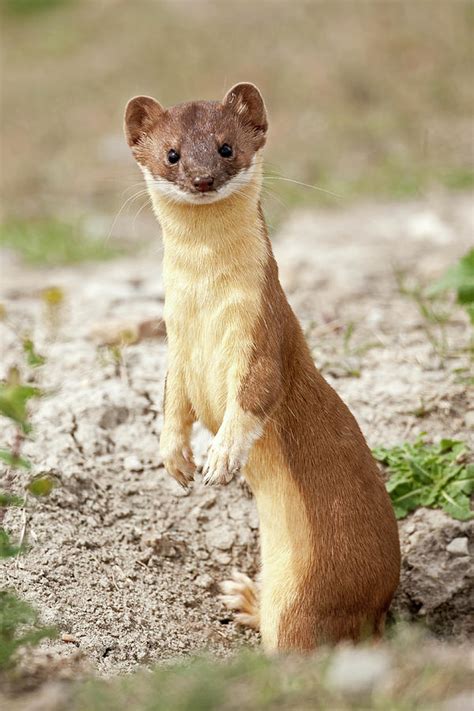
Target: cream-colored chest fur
(213,273)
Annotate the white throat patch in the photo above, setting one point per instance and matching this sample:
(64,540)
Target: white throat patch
(173,193)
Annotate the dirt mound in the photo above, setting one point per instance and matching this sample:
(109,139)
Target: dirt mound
(124,561)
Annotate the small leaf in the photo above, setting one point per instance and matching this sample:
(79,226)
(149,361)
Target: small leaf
(457,508)
(13,402)
(14,461)
(19,626)
(460,278)
(400,511)
(433,475)
(32,357)
(42,485)
(7,548)
(7,499)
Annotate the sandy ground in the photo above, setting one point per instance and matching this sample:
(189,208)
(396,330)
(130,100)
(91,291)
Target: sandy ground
(126,563)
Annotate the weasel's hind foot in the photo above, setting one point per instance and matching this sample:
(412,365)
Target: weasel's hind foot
(240,594)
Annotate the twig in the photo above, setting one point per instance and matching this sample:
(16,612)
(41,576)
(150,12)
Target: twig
(23,528)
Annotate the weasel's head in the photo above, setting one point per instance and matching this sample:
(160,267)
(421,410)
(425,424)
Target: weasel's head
(201,151)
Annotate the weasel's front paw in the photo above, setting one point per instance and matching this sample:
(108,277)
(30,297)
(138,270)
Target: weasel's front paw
(178,462)
(224,461)
(231,447)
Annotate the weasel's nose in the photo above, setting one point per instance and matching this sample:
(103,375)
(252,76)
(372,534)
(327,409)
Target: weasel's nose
(203,183)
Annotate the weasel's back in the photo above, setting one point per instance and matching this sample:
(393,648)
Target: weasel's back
(343,547)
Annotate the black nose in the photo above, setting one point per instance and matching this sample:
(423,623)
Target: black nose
(203,183)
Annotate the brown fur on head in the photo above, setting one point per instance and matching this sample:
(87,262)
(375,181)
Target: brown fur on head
(200,151)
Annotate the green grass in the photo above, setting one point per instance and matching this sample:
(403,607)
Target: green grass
(432,475)
(250,681)
(460,179)
(50,242)
(459,278)
(437,310)
(19,627)
(25,7)
(19,622)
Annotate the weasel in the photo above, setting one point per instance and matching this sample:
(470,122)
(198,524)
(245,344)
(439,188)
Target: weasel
(239,363)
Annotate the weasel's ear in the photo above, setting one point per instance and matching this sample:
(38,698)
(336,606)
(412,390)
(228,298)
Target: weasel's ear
(141,115)
(246,100)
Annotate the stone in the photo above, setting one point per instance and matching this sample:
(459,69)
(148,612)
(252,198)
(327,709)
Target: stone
(112,417)
(253,519)
(458,546)
(204,581)
(221,537)
(222,558)
(469,419)
(132,464)
(427,225)
(427,560)
(208,501)
(358,670)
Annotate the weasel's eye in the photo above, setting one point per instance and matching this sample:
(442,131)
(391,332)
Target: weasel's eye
(225,150)
(173,156)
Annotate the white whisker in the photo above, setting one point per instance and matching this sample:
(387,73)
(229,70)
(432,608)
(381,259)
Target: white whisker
(140,193)
(145,204)
(305,185)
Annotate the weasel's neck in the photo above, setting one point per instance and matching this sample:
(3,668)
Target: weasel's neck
(230,230)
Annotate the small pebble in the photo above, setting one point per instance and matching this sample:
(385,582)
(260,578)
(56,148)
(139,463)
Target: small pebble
(221,537)
(358,671)
(69,638)
(469,418)
(222,558)
(253,519)
(132,464)
(458,546)
(208,501)
(204,581)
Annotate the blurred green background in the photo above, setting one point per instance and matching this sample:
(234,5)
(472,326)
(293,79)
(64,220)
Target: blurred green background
(365,99)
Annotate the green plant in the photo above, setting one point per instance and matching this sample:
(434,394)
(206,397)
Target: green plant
(25,7)
(415,679)
(19,624)
(347,361)
(51,242)
(14,399)
(33,358)
(435,314)
(459,278)
(436,311)
(432,475)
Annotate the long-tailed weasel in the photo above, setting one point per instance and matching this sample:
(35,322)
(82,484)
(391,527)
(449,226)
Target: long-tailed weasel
(239,363)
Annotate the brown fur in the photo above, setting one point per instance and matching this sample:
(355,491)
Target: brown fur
(239,362)
(354,569)
(195,130)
